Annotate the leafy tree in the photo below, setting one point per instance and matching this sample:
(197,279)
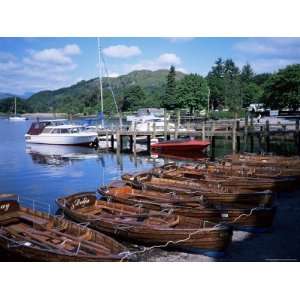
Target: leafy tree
(250,91)
(192,92)
(215,79)
(233,99)
(283,88)
(170,94)
(134,98)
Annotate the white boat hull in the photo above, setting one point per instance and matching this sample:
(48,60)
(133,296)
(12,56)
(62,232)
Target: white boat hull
(61,139)
(17,119)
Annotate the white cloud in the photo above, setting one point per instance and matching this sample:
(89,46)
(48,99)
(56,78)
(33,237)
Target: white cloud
(113,74)
(55,55)
(44,69)
(164,61)
(268,54)
(122,51)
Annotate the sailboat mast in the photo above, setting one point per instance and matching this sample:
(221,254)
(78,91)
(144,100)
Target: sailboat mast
(100,81)
(15,106)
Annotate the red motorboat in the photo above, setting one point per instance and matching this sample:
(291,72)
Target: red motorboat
(180,146)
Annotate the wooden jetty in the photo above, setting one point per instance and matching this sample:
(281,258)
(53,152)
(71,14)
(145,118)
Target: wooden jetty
(247,129)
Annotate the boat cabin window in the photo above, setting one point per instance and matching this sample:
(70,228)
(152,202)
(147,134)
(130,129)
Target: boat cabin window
(56,130)
(47,130)
(64,130)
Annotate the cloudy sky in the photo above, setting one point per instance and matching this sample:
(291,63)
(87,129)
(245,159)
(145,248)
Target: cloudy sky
(34,64)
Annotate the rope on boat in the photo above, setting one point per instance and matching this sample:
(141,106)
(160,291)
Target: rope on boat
(128,253)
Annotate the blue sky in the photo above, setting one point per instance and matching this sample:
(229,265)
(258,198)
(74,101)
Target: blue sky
(34,64)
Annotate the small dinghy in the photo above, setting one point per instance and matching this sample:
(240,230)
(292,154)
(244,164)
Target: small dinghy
(180,146)
(37,236)
(147,227)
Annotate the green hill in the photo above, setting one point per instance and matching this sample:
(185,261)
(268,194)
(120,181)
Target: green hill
(83,97)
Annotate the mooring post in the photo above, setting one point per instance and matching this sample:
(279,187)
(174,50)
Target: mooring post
(251,134)
(246,132)
(148,143)
(134,139)
(177,124)
(165,124)
(203,130)
(118,142)
(268,136)
(106,139)
(238,138)
(297,136)
(212,148)
(130,143)
(112,141)
(154,131)
(234,137)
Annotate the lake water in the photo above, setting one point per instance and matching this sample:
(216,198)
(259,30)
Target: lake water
(44,172)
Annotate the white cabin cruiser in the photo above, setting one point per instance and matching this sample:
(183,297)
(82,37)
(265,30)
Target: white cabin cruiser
(52,132)
(149,122)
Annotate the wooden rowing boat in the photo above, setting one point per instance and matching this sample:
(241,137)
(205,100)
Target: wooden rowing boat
(265,160)
(193,207)
(147,227)
(204,175)
(253,219)
(37,236)
(212,192)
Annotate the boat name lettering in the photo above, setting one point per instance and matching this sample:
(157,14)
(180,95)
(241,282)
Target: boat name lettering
(80,201)
(4,207)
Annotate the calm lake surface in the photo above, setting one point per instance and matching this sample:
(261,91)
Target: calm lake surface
(45,172)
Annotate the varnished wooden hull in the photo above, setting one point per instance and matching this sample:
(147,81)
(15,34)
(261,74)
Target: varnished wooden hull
(233,180)
(189,233)
(258,218)
(210,192)
(47,239)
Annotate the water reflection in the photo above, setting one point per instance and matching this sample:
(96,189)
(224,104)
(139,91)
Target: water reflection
(59,155)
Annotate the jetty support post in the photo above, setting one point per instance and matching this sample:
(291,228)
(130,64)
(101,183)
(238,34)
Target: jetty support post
(112,141)
(106,139)
(148,143)
(203,130)
(134,140)
(118,142)
(297,136)
(267,136)
(238,138)
(177,124)
(131,143)
(234,137)
(165,124)
(246,132)
(154,131)
(251,134)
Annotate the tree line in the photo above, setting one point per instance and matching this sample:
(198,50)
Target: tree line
(225,86)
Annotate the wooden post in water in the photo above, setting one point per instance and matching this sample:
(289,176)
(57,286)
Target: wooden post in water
(118,142)
(212,148)
(134,139)
(251,134)
(106,139)
(238,138)
(131,143)
(246,132)
(165,124)
(112,141)
(268,136)
(177,124)
(234,137)
(154,131)
(203,131)
(297,136)
(149,143)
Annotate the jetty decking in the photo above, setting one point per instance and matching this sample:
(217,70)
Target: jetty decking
(235,130)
